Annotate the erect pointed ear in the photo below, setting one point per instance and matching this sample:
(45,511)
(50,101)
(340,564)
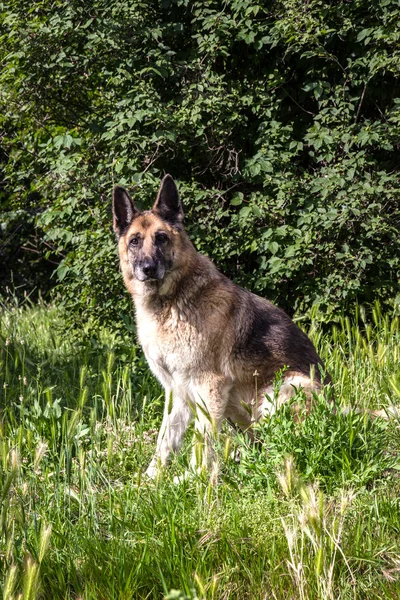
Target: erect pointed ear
(168,206)
(123,210)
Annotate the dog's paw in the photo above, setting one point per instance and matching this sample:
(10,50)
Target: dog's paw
(186,476)
(151,472)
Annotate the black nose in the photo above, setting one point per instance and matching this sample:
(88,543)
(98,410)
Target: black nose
(149,269)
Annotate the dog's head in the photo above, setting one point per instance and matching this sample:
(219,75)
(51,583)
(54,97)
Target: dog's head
(148,237)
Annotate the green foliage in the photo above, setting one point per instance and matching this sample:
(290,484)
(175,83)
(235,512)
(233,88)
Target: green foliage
(279,120)
(334,448)
(78,424)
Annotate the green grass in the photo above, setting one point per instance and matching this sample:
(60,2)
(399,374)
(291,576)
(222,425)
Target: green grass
(311,511)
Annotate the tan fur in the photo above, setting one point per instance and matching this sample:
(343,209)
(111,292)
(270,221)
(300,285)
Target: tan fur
(214,347)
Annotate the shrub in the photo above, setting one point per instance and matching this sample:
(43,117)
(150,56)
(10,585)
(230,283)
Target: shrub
(279,120)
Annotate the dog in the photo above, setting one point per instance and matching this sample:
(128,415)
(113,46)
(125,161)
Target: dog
(215,347)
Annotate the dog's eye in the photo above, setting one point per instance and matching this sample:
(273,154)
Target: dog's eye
(161,237)
(134,241)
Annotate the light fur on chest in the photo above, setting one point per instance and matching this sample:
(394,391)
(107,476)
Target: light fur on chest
(172,346)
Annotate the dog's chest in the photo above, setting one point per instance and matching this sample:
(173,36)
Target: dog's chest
(171,345)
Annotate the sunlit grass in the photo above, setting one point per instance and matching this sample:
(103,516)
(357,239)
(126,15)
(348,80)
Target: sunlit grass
(310,512)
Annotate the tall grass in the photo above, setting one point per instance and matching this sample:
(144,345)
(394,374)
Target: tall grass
(312,511)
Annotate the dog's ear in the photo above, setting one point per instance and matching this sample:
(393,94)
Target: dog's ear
(123,210)
(168,205)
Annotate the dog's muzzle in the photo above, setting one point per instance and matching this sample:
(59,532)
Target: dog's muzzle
(149,271)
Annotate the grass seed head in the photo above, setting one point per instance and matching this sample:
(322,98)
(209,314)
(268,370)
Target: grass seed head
(40,453)
(288,479)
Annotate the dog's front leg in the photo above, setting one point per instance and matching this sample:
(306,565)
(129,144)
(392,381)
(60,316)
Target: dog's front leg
(210,411)
(177,416)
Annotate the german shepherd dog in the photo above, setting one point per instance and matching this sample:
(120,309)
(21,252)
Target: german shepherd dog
(215,347)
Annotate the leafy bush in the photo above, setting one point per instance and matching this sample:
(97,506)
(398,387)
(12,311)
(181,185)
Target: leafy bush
(279,120)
